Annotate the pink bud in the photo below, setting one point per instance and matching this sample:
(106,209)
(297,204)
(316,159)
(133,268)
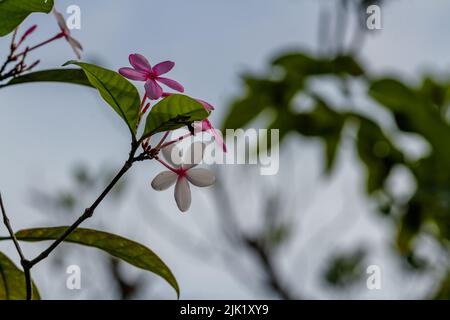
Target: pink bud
(27,33)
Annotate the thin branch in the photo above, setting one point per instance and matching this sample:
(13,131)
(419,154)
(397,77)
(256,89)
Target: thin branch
(90,211)
(10,230)
(24,262)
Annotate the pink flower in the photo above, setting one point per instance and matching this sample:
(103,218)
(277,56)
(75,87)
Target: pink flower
(206,125)
(143,71)
(76,46)
(182,172)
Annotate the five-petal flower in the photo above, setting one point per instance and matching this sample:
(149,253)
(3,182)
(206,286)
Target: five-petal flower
(182,172)
(143,71)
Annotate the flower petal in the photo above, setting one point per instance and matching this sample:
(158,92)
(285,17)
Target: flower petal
(76,46)
(74,42)
(171,83)
(153,90)
(205,105)
(133,74)
(183,194)
(172,155)
(201,177)
(219,139)
(139,62)
(164,180)
(61,22)
(193,155)
(163,67)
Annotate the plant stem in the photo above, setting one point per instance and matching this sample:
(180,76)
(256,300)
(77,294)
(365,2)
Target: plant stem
(56,37)
(176,140)
(27,265)
(88,212)
(23,261)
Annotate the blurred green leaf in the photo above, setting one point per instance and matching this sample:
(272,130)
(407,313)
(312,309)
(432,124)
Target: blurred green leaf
(413,113)
(443,291)
(13,12)
(119,247)
(117,91)
(173,112)
(345,269)
(377,152)
(12,281)
(302,65)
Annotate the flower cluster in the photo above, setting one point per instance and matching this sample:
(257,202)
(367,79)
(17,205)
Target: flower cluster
(18,58)
(182,170)
(64,32)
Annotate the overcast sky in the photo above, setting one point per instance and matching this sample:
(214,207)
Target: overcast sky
(46,129)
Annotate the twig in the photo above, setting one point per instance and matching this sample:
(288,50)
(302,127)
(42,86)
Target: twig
(29,264)
(24,262)
(90,211)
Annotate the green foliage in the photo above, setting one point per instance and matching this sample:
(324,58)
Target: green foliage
(119,247)
(414,113)
(278,96)
(172,113)
(73,76)
(12,281)
(13,12)
(421,111)
(345,269)
(377,152)
(117,91)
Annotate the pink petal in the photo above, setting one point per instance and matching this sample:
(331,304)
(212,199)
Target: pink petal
(133,74)
(206,125)
(139,62)
(171,84)
(164,180)
(76,46)
(219,140)
(183,194)
(201,177)
(172,155)
(163,67)
(153,90)
(74,43)
(206,105)
(61,22)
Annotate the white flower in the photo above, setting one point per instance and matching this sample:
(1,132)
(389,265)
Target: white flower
(76,46)
(182,172)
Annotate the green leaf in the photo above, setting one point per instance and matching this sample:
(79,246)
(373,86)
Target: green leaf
(302,65)
(119,247)
(377,152)
(117,91)
(172,113)
(12,281)
(13,12)
(414,113)
(73,76)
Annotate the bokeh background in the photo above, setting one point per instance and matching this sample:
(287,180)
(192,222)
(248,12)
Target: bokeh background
(310,231)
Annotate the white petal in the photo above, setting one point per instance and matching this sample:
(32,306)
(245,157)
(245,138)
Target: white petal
(164,180)
(172,155)
(193,155)
(75,43)
(201,177)
(183,194)
(76,46)
(61,21)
